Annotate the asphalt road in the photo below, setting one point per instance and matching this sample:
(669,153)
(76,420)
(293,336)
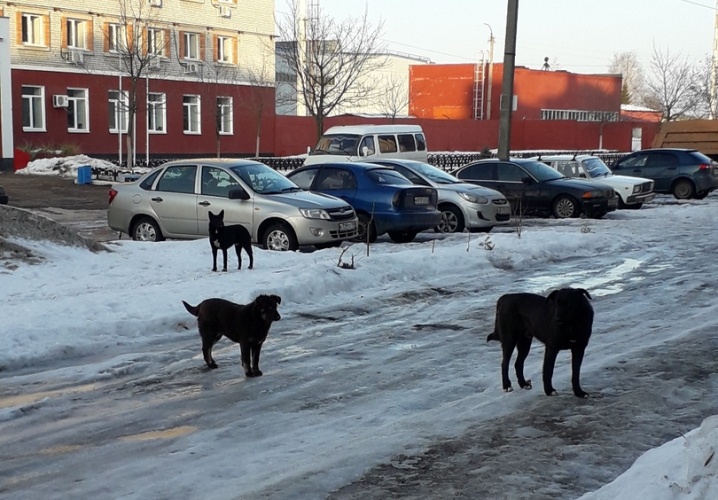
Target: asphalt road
(82,207)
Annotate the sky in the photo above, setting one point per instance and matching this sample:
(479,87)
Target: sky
(105,395)
(579,36)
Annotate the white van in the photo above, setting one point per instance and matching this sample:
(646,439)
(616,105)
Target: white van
(369,142)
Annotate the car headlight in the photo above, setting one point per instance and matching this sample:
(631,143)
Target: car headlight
(593,194)
(474,199)
(314,213)
(636,189)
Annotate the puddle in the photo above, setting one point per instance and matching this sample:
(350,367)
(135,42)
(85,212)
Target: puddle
(34,397)
(600,281)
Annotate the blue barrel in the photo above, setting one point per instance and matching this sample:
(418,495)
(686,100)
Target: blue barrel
(84,174)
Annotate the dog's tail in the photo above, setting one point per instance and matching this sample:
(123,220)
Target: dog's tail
(492,336)
(193,310)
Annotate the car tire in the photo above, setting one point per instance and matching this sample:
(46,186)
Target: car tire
(485,229)
(634,206)
(279,237)
(452,220)
(402,236)
(565,207)
(701,195)
(683,189)
(146,229)
(366,226)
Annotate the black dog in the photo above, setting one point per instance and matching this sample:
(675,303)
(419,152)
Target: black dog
(245,324)
(563,320)
(222,237)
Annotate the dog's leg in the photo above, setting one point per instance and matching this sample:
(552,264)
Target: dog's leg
(523,348)
(207,354)
(238,249)
(248,249)
(507,349)
(224,254)
(256,349)
(214,257)
(549,360)
(576,360)
(246,358)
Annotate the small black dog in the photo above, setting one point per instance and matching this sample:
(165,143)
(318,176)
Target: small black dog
(222,237)
(563,320)
(245,324)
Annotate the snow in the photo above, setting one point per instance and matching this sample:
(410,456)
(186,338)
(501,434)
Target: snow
(104,390)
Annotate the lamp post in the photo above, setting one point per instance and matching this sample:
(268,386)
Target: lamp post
(491,71)
(507,84)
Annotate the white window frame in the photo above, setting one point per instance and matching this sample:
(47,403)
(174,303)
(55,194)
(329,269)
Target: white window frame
(117,37)
(33,30)
(79,106)
(35,104)
(156,42)
(119,111)
(225,115)
(224,49)
(191,46)
(191,114)
(76,34)
(157,113)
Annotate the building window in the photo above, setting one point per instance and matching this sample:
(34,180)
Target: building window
(77,112)
(224,49)
(155,42)
(190,114)
(224,115)
(76,34)
(191,46)
(156,113)
(33,32)
(116,37)
(118,111)
(33,109)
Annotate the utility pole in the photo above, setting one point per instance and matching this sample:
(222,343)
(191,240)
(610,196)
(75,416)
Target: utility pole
(507,84)
(491,71)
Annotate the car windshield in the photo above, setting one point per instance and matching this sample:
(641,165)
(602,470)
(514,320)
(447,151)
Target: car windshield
(596,168)
(386,176)
(337,144)
(264,180)
(432,173)
(541,171)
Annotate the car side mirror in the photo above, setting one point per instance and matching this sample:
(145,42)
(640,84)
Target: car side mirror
(238,194)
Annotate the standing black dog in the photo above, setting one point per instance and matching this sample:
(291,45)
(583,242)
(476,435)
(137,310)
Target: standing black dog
(563,320)
(222,237)
(245,324)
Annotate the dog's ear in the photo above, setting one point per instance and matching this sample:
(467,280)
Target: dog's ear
(211,214)
(221,214)
(552,295)
(277,299)
(583,291)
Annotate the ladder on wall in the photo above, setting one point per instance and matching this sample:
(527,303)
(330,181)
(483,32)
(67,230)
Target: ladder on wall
(479,90)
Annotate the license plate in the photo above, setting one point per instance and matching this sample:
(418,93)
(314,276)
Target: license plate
(613,202)
(503,210)
(421,200)
(347,226)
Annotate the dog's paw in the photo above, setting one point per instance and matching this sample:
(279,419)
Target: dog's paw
(527,385)
(257,373)
(552,392)
(581,394)
(212,366)
(508,389)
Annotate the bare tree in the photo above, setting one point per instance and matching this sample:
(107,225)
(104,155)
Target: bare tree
(628,65)
(394,99)
(139,44)
(328,57)
(671,85)
(258,103)
(218,88)
(706,102)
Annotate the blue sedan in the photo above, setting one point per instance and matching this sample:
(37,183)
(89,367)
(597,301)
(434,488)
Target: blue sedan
(385,201)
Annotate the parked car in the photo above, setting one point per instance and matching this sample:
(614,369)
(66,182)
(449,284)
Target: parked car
(385,201)
(632,192)
(462,205)
(173,201)
(685,173)
(3,197)
(533,187)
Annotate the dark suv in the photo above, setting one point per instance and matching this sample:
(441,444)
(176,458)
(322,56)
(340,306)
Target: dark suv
(685,173)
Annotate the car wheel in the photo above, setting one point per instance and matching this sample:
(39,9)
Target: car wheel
(452,220)
(366,226)
(146,229)
(701,195)
(486,229)
(683,190)
(565,207)
(634,206)
(279,237)
(402,236)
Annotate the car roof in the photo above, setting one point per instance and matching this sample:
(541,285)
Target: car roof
(669,150)
(373,129)
(215,162)
(518,161)
(351,165)
(563,157)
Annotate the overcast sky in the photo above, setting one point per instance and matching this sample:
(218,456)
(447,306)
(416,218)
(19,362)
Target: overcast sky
(577,35)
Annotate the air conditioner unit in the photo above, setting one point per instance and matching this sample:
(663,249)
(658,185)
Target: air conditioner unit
(191,68)
(155,3)
(60,101)
(225,11)
(76,56)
